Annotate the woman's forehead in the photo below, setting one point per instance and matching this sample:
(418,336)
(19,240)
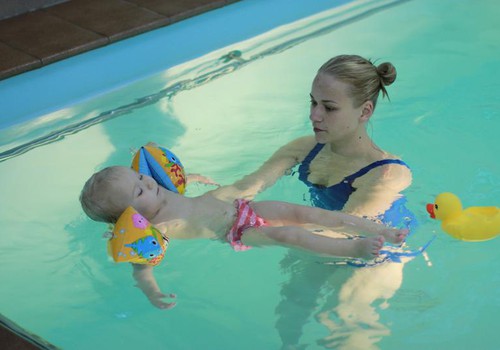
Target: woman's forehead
(327,85)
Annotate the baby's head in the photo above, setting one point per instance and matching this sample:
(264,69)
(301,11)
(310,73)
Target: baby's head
(119,195)
(100,196)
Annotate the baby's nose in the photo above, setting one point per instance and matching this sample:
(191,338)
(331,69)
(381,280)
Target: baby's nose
(150,183)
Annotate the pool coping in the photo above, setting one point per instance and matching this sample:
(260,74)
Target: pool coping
(85,75)
(42,37)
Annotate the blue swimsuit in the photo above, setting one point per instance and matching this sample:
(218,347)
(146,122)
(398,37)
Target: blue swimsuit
(336,196)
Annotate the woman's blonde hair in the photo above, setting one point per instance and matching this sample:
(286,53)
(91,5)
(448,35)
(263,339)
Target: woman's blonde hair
(365,79)
(95,197)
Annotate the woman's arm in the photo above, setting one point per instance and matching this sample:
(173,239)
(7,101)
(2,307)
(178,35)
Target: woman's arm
(275,167)
(143,275)
(376,193)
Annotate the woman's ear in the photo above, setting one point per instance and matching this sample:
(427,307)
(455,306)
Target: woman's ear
(366,111)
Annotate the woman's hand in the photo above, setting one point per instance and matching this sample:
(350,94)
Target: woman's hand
(191,178)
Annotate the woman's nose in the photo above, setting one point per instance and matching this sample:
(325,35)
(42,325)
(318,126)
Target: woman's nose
(315,114)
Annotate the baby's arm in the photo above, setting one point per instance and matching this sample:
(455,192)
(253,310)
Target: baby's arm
(191,178)
(143,275)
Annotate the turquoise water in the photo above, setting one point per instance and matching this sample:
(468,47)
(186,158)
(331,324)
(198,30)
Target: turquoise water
(442,119)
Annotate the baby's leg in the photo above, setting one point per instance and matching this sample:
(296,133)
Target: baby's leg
(282,213)
(298,237)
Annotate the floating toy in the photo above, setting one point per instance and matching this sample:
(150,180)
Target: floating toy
(471,224)
(135,240)
(162,165)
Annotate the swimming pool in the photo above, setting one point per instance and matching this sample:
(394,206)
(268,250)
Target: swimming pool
(216,114)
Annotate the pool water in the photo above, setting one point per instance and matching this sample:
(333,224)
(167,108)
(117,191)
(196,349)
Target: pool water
(224,117)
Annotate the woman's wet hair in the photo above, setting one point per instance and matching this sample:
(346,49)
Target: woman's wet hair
(365,79)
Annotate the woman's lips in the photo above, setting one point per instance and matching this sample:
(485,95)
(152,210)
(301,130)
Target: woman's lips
(317,130)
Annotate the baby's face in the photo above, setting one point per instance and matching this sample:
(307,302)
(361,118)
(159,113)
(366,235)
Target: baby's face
(139,191)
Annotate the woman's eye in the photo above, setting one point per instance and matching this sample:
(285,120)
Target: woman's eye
(313,103)
(329,109)
(140,192)
(140,177)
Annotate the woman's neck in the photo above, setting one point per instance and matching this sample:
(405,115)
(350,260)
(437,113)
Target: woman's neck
(357,146)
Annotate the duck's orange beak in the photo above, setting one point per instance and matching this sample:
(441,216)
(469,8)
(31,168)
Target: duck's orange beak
(430,210)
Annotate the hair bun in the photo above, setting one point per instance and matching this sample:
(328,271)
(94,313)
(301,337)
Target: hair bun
(387,73)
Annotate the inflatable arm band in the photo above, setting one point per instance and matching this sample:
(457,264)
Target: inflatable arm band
(136,241)
(163,166)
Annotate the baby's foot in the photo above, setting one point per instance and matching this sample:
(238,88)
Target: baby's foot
(369,248)
(394,235)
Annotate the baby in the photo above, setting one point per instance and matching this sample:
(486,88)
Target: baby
(242,223)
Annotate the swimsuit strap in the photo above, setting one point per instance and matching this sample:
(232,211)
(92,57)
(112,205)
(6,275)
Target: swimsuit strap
(373,165)
(304,166)
(313,153)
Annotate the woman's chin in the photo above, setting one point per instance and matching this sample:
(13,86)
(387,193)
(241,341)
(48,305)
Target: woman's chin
(320,137)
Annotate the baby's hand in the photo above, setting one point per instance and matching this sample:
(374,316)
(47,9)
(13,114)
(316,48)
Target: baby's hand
(157,300)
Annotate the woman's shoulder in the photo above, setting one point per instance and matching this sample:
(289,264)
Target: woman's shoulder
(395,173)
(307,141)
(298,148)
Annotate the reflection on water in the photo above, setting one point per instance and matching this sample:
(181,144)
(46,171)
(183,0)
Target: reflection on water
(345,300)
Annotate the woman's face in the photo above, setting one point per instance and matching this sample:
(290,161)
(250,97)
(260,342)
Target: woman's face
(333,115)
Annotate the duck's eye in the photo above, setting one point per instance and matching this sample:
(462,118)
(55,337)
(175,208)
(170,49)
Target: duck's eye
(436,206)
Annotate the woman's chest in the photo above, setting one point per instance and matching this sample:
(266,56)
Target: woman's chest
(327,171)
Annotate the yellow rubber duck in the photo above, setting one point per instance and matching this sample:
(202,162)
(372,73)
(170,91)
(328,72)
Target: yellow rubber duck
(471,224)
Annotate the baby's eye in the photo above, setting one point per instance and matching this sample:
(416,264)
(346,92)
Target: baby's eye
(140,176)
(140,192)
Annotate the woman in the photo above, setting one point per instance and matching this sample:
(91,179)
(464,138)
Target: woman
(342,166)
(344,170)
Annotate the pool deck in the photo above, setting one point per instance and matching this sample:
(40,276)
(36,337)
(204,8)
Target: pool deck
(35,39)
